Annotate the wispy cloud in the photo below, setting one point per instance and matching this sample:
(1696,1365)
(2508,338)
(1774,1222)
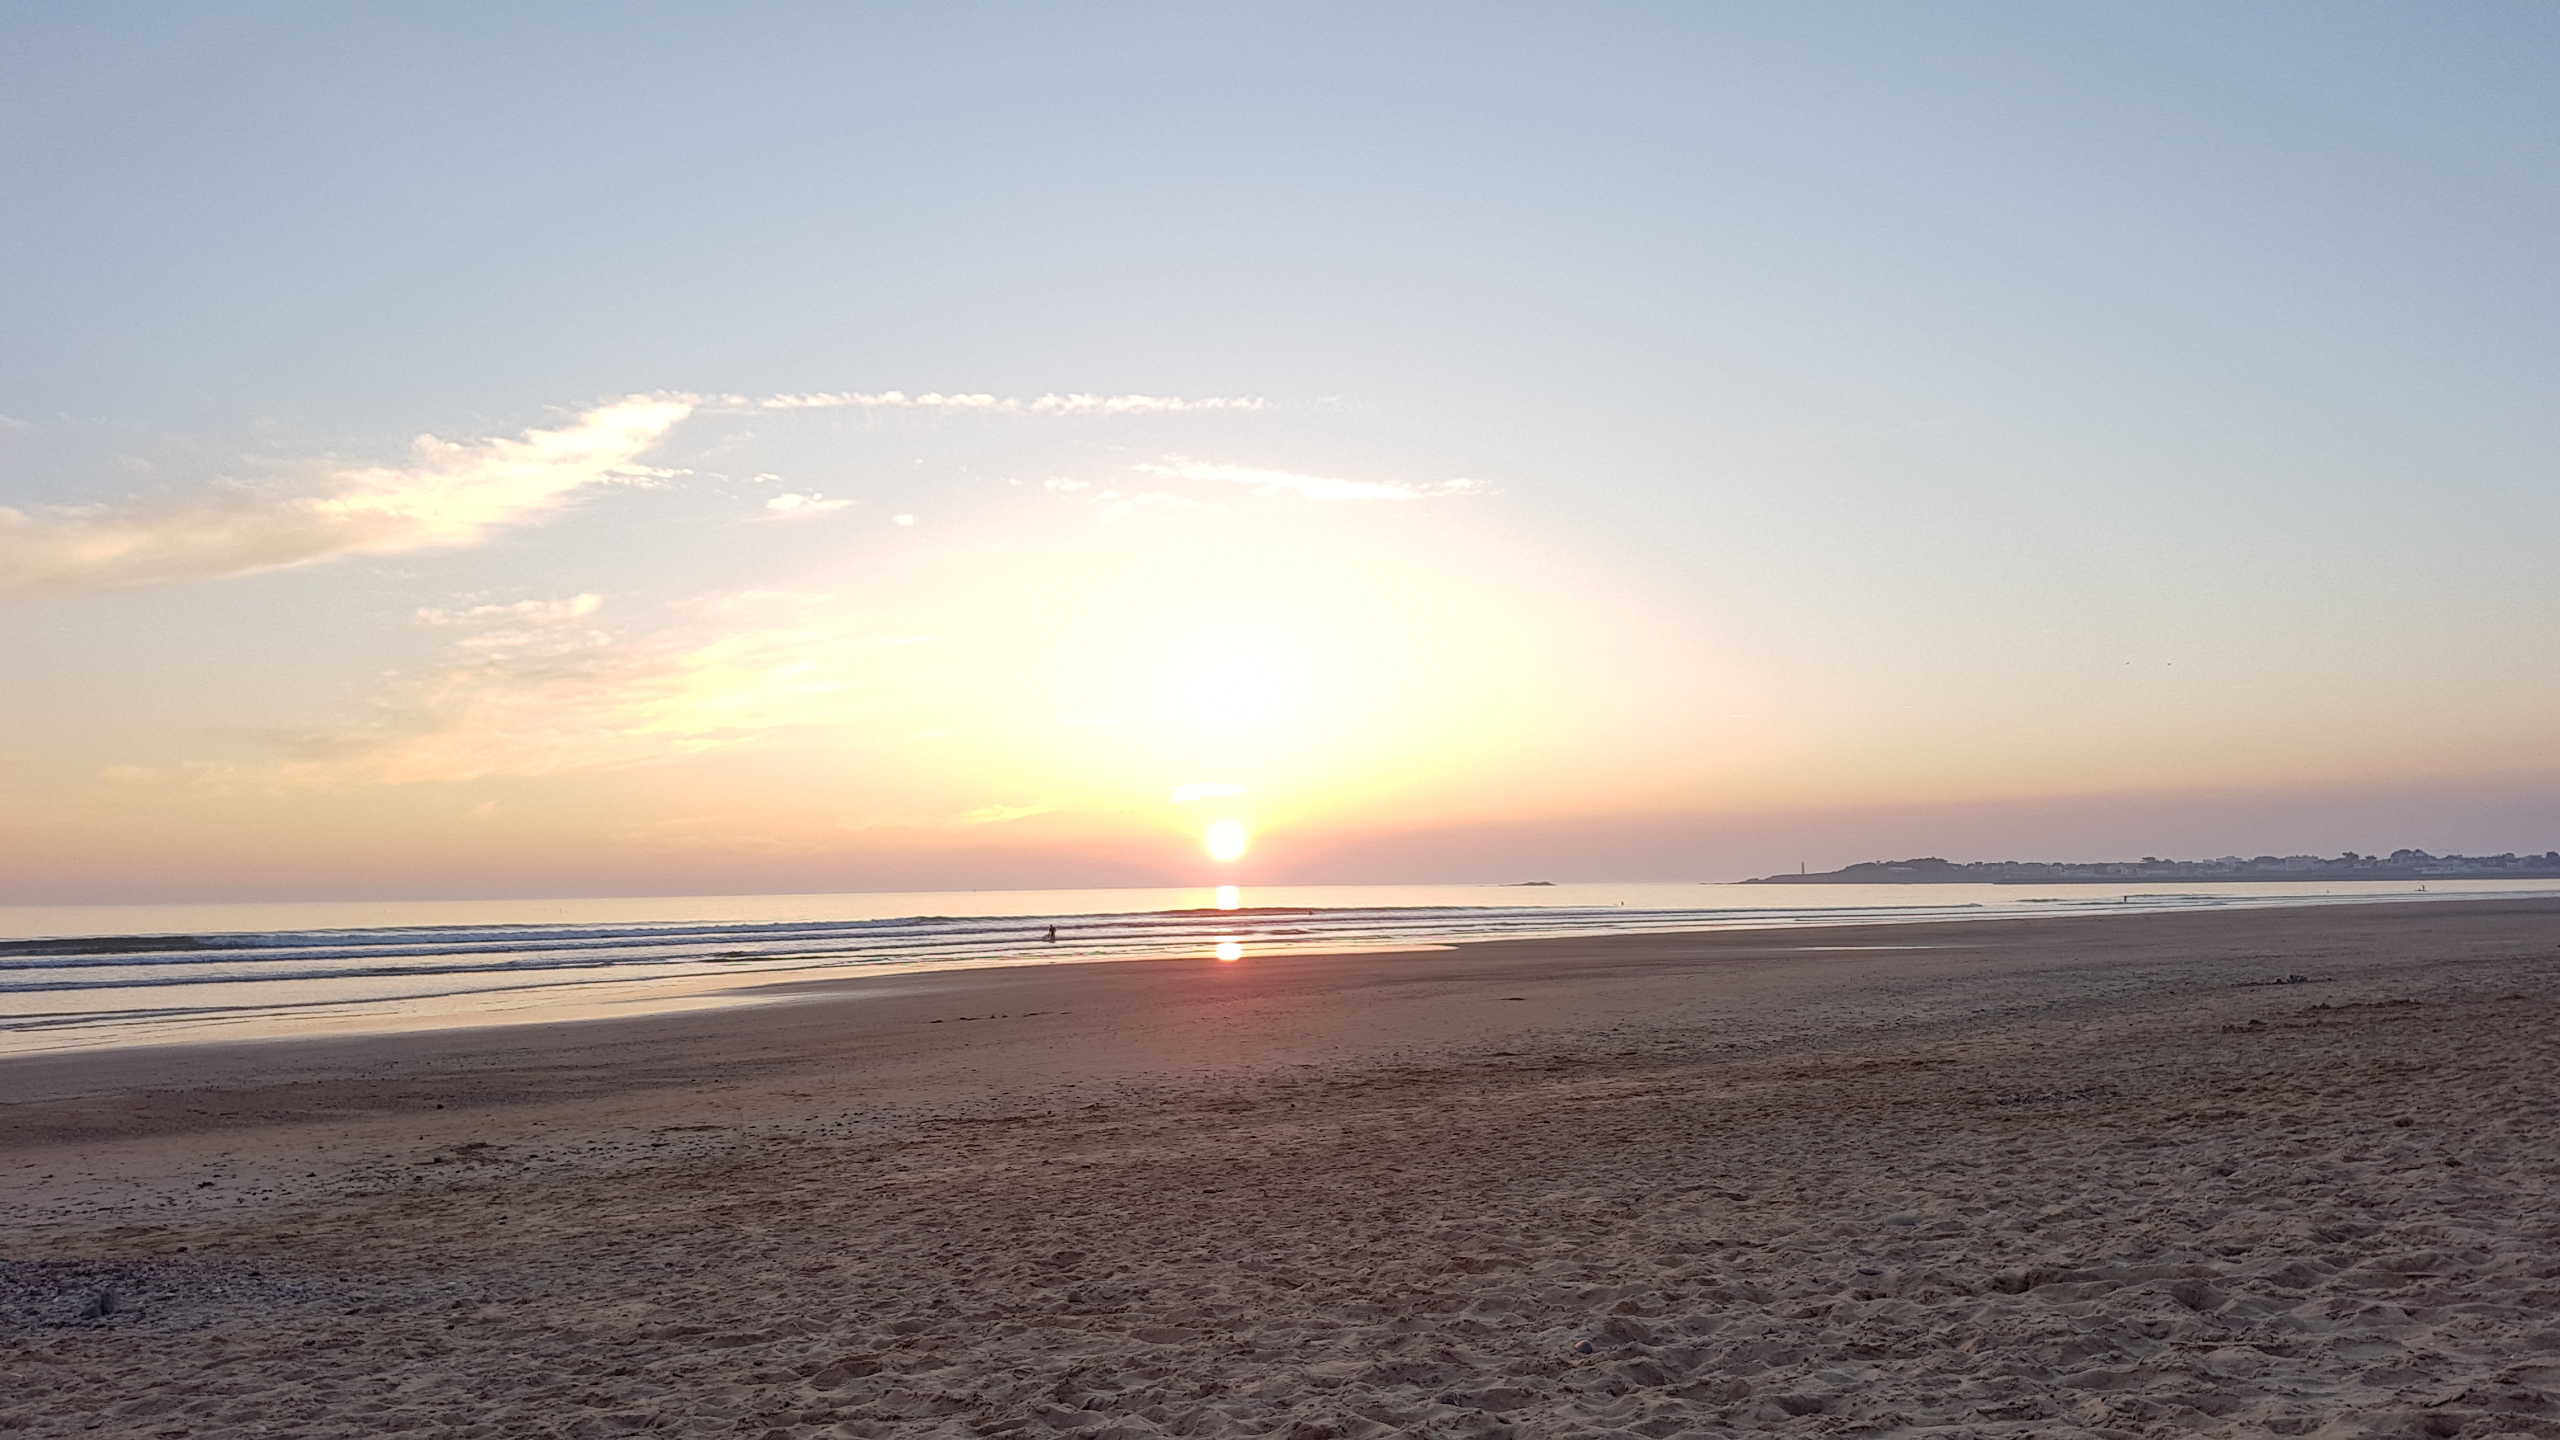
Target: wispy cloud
(1291,482)
(522,612)
(1003,814)
(449,493)
(553,696)
(794,505)
(983,404)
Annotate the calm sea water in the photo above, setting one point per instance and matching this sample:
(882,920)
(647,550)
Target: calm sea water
(79,977)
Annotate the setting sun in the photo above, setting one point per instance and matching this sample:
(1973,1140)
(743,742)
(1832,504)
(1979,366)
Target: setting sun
(1225,840)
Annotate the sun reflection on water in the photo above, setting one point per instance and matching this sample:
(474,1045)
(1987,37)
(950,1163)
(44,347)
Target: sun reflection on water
(1229,897)
(1230,951)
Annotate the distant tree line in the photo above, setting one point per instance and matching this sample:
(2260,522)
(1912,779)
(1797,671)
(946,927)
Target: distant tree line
(2346,865)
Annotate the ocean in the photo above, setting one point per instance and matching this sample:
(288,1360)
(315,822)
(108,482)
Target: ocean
(86,977)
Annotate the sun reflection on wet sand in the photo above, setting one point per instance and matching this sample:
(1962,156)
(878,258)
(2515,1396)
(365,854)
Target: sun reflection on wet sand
(1230,951)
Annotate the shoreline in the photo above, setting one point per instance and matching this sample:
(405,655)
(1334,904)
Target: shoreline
(577,997)
(784,1023)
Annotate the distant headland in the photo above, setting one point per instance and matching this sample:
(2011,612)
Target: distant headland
(2398,865)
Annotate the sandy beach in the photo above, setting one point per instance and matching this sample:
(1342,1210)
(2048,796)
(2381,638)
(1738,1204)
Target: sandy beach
(2278,1172)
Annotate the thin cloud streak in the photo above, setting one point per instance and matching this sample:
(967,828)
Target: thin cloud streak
(797,505)
(1004,814)
(984,404)
(451,493)
(1290,482)
(522,612)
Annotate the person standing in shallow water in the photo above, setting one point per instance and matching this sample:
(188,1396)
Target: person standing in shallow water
(1053,935)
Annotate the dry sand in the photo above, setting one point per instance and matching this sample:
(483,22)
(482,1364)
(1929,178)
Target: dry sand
(2049,1178)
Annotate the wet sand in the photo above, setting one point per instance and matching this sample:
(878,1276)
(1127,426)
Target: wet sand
(2109,1176)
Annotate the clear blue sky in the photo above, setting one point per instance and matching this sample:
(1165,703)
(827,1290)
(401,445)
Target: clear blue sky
(1974,428)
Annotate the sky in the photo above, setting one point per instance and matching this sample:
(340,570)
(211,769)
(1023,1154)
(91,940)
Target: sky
(528,450)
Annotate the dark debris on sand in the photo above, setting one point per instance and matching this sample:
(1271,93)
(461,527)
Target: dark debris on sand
(157,1293)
